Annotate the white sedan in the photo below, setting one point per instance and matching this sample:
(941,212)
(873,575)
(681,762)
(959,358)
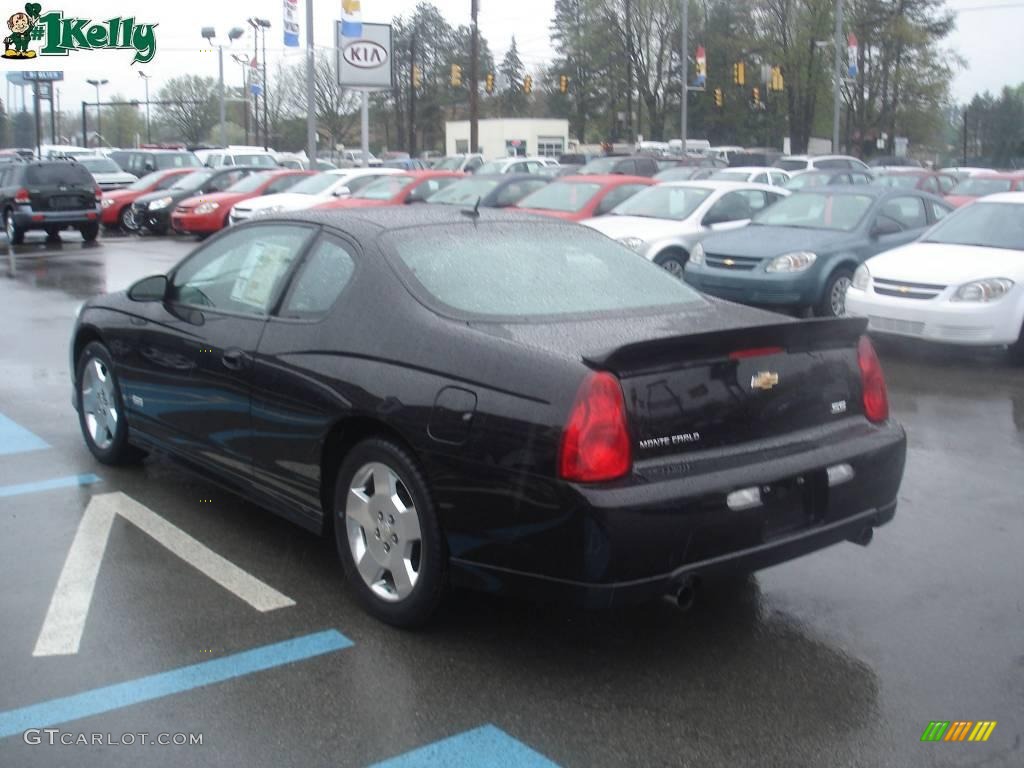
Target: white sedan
(309,192)
(776,177)
(664,222)
(962,283)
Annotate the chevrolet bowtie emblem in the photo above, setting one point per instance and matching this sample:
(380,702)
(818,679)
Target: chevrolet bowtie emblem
(904,289)
(764,380)
(729,262)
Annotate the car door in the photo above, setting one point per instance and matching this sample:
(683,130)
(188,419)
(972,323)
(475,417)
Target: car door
(731,211)
(188,383)
(908,212)
(292,407)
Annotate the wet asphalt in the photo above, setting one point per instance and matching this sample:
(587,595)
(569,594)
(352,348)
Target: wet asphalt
(838,659)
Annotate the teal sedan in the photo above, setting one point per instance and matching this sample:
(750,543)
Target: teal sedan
(800,253)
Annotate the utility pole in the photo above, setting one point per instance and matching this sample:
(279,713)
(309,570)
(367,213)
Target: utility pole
(965,137)
(255,61)
(474,66)
(629,70)
(684,64)
(412,96)
(266,87)
(837,76)
(310,88)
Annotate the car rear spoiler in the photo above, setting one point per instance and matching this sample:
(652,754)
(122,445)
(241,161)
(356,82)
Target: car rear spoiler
(791,336)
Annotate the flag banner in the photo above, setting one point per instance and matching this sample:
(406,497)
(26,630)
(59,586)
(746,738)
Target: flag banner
(351,19)
(291,23)
(851,50)
(702,66)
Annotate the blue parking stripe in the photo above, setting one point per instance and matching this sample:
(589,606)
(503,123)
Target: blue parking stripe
(48,485)
(100,700)
(14,438)
(485,747)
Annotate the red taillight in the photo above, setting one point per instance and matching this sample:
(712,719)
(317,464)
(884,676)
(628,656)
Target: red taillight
(743,354)
(595,446)
(876,398)
(21,196)
(99,193)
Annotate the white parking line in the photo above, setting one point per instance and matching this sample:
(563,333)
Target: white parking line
(69,606)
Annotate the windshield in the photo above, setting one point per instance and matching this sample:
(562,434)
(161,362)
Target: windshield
(99,165)
(262,161)
(192,180)
(730,175)
(250,183)
(147,181)
(979,187)
(567,197)
(464,192)
(805,180)
(314,185)
(523,270)
(898,181)
(989,225)
(449,164)
(792,165)
(677,174)
(385,187)
(816,210)
(676,203)
(601,166)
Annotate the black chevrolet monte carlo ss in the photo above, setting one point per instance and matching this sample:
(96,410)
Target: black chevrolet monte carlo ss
(493,401)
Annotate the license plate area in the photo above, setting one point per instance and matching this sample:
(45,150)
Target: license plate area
(64,202)
(793,504)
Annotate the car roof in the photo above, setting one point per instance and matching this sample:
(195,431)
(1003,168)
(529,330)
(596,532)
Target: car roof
(611,178)
(749,169)
(1004,197)
(721,184)
(1000,175)
(859,189)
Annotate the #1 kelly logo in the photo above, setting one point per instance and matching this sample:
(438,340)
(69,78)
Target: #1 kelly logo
(59,35)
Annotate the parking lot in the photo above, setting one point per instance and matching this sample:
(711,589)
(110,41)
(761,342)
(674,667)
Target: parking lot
(211,616)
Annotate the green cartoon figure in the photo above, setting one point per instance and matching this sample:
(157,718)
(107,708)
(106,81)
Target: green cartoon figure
(21,24)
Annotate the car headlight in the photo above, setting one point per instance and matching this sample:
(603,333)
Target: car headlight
(159,203)
(798,261)
(697,254)
(107,202)
(862,278)
(633,243)
(989,289)
(204,208)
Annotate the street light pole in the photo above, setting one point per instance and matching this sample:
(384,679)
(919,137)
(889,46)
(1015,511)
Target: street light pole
(310,88)
(684,64)
(99,123)
(244,62)
(474,65)
(837,76)
(233,34)
(264,26)
(145,78)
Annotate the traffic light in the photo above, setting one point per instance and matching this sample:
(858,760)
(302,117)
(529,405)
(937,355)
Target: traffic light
(563,83)
(777,83)
(417,76)
(456,76)
(527,85)
(719,98)
(755,96)
(489,83)
(739,73)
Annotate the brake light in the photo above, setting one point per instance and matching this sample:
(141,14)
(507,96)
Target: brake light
(743,354)
(21,196)
(876,398)
(99,193)
(596,445)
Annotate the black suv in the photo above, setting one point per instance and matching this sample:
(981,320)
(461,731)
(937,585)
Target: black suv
(49,195)
(153,211)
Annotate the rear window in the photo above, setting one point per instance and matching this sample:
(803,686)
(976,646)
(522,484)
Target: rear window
(385,187)
(250,183)
(525,271)
(262,161)
(464,192)
(897,181)
(980,186)
(791,165)
(57,173)
(99,165)
(176,160)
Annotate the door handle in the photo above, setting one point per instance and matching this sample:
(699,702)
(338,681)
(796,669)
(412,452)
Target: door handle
(234,359)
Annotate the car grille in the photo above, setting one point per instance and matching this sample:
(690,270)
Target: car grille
(739,263)
(183,208)
(902,290)
(890,325)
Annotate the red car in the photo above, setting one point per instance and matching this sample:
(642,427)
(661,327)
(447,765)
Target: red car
(397,189)
(575,198)
(940,184)
(206,214)
(973,187)
(117,204)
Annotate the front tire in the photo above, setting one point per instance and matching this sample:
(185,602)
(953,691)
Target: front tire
(673,262)
(126,219)
(387,534)
(1017,349)
(833,299)
(101,408)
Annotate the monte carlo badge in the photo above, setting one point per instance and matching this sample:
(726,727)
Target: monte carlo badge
(58,35)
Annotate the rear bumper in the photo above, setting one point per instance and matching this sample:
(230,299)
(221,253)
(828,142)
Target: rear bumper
(606,545)
(26,218)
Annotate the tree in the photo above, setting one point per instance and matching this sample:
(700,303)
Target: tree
(194,109)
(336,108)
(122,123)
(24,130)
(4,127)
(513,99)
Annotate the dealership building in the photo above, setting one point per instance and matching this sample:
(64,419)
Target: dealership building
(506,137)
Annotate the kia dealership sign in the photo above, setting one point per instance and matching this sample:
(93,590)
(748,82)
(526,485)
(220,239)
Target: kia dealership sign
(365,61)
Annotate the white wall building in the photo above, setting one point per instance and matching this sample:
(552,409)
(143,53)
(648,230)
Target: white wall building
(511,136)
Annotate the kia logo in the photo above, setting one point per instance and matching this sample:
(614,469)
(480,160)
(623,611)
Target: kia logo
(365,54)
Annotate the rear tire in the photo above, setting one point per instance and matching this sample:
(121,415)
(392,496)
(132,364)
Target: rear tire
(101,408)
(833,298)
(52,234)
(15,234)
(90,231)
(126,219)
(673,262)
(388,537)
(1017,349)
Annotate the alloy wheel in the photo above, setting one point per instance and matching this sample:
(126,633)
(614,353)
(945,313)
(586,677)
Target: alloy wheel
(673,267)
(838,297)
(99,404)
(383,531)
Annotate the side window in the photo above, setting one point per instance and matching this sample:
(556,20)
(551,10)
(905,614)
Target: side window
(836,164)
(647,167)
(428,188)
(939,211)
(946,184)
(908,211)
(533,166)
(323,277)
(281,184)
(511,194)
(761,178)
(617,196)
(222,182)
(241,271)
(166,182)
(771,198)
(731,207)
(858,178)
(626,168)
(757,199)
(778,179)
(931,184)
(473,164)
(354,185)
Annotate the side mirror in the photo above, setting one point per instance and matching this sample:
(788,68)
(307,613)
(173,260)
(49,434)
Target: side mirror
(884,227)
(342,192)
(153,288)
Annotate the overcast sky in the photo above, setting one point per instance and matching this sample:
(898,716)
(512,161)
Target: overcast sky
(988,37)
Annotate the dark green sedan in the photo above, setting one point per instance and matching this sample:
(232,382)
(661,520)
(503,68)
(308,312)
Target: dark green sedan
(800,254)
